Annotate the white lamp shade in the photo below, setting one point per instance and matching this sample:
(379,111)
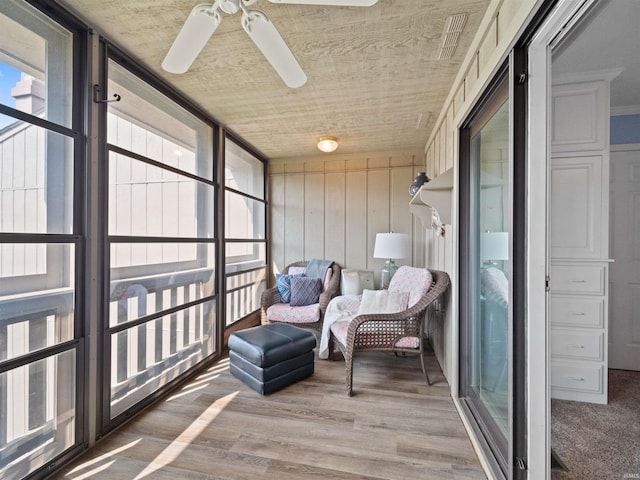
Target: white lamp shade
(391,245)
(494,246)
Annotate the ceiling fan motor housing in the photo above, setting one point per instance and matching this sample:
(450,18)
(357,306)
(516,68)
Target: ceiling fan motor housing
(229,6)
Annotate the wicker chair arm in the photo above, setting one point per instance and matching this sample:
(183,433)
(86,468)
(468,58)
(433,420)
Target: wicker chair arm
(439,287)
(332,289)
(377,321)
(269,297)
(382,317)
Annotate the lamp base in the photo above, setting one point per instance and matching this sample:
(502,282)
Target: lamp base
(387,272)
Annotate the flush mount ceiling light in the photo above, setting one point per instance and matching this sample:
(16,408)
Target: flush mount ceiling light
(205,18)
(327,144)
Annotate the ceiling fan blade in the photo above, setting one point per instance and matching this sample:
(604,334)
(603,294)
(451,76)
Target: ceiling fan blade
(337,3)
(194,34)
(268,40)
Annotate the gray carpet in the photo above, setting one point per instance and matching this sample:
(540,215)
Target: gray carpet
(599,442)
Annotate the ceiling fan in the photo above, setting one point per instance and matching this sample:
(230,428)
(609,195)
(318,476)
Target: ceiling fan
(205,18)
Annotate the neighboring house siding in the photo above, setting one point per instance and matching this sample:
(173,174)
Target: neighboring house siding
(22,197)
(501,25)
(332,207)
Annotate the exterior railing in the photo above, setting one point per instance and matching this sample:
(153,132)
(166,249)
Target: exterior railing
(36,416)
(160,326)
(244,289)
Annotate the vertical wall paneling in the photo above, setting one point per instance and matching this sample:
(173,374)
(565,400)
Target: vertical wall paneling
(400,216)
(419,243)
(419,234)
(429,162)
(443,147)
(332,208)
(294,222)
(277,194)
(378,213)
(436,155)
(356,226)
(428,247)
(335,217)
(313,216)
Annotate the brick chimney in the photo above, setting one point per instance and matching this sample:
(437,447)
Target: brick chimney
(29,94)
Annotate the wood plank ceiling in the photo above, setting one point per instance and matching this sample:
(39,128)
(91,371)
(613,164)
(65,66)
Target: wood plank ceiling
(373,77)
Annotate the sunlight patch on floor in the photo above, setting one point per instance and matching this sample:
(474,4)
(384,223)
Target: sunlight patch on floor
(78,473)
(173,451)
(189,390)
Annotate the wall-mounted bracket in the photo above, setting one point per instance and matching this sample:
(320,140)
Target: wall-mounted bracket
(97,99)
(434,195)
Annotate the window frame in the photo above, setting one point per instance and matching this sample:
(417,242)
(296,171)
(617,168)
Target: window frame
(516,448)
(75,346)
(111,53)
(258,243)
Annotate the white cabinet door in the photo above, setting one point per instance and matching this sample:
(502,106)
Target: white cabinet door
(576,199)
(578,115)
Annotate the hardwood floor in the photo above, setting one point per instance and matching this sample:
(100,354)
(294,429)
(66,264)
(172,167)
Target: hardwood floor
(394,427)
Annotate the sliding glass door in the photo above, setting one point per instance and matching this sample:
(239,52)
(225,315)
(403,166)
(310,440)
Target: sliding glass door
(488,361)
(489,386)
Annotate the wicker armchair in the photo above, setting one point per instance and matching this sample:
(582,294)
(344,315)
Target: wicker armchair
(391,332)
(315,316)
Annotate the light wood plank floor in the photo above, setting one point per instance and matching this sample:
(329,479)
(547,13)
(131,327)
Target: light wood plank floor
(394,427)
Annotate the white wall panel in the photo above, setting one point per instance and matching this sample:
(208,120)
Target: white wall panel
(294,219)
(313,216)
(401,218)
(378,215)
(333,208)
(356,228)
(335,217)
(277,217)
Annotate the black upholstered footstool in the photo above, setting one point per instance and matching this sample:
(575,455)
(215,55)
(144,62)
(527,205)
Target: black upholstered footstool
(270,357)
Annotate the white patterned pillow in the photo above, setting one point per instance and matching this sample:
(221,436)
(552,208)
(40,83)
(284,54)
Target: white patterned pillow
(383,301)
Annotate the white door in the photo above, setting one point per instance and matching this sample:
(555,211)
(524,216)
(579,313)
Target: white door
(624,300)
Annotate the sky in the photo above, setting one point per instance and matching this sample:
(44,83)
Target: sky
(9,76)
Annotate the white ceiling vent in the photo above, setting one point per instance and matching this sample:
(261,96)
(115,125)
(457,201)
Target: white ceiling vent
(453,27)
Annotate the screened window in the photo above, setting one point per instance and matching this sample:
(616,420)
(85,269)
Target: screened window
(161,303)
(245,231)
(38,246)
(35,62)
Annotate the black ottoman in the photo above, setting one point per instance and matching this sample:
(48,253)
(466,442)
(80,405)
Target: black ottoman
(270,357)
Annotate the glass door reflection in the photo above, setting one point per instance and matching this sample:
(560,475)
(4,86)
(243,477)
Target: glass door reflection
(487,387)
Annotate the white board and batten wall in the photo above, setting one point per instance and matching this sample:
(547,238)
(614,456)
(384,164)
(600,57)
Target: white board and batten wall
(332,206)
